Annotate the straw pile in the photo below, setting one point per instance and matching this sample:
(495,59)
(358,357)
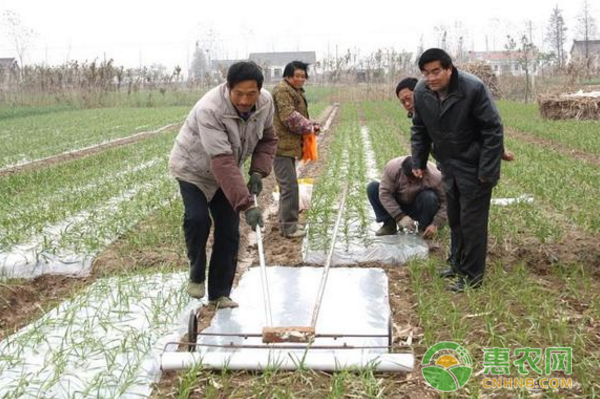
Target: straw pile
(570,106)
(486,74)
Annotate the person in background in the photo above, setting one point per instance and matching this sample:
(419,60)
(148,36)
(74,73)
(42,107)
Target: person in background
(401,199)
(291,121)
(230,123)
(405,91)
(455,114)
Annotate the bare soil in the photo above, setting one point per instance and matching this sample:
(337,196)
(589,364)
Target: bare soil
(576,248)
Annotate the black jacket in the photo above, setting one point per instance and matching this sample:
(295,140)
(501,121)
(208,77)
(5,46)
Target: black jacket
(465,130)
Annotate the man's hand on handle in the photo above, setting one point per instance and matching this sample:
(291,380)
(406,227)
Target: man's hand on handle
(255,184)
(254,217)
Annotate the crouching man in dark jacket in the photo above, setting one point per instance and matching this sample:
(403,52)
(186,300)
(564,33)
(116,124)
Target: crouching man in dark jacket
(455,112)
(402,199)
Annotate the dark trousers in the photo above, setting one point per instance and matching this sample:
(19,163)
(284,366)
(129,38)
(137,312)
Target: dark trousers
(196,227)
(423,209)
(452,256)
(468,215)
(289,193)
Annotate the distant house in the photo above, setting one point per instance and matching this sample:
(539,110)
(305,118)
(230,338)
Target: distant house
(9,71)
(274,63)
(578,52)
(502,62)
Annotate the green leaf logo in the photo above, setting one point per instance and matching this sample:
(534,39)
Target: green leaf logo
(447,366)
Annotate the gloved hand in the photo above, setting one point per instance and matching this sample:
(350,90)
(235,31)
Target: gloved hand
(254,217)
(407,223)
(255,184)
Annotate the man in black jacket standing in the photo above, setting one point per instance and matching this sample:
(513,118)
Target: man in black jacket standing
(455,112)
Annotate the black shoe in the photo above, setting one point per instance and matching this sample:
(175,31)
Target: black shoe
(298,233)
(388,228)
(448,273)
(462,284)
(452,262)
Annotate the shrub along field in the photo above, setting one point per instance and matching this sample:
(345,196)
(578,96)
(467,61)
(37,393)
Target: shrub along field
(542,282)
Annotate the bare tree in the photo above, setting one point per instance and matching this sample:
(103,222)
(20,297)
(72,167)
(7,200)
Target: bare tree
(177,73)
(421,47)
(491,37)
(199,66)
(526,57)
(460,36)
(19,34)
(586,29)
(442,37)
(399,62)
(555,36)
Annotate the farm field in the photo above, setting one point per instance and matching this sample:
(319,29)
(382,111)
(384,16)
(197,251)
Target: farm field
(116,215)
(581,135)
(29,138)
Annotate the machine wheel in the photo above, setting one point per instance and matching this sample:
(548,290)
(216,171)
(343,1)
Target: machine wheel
(192,330)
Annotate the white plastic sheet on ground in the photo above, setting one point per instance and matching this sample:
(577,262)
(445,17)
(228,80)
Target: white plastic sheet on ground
(369,155)
(355,301)
(104,343)
(396,249)
(43,254)
(521,199)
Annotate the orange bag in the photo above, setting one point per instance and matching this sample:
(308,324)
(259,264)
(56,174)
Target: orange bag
(309,147)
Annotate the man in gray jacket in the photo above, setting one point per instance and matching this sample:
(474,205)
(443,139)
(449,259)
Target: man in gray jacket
(455,113)
(229,124)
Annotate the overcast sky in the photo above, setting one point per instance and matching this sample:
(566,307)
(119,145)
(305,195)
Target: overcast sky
(136,32)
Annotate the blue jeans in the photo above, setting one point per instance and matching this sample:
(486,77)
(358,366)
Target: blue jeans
(423,209)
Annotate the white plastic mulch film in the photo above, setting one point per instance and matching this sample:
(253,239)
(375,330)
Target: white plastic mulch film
(393,249)
(104,343)
(355,302)
(521,199)
(69,246)
(353,249)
